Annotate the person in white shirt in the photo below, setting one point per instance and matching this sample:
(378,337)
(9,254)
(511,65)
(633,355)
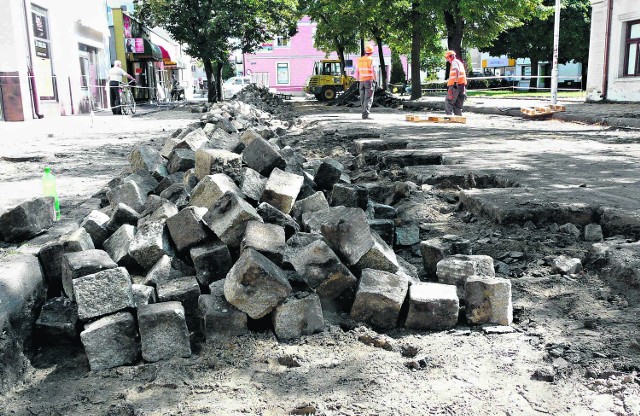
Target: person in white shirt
(115,78)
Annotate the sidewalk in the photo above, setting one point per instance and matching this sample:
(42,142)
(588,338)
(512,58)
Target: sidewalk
(608,114)
(84,152)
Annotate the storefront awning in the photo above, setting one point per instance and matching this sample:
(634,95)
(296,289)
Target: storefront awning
(166,58)
(149,51)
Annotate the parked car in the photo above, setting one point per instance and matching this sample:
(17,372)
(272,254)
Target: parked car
(233,85)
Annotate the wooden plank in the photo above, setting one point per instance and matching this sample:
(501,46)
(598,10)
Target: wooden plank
(557,107)
(457,119)
(436,118)
(536,111)
(543,110)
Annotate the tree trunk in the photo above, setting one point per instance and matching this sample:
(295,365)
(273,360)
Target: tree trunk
(208,69)
(455,31)
(361,46)
(416,45)
(383,66)
(340,51)
(534,74)
(219,81)
(583,84)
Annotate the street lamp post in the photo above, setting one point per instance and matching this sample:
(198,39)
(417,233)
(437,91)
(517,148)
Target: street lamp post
(554,69)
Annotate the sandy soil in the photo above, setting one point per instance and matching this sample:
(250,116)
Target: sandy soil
(575,349)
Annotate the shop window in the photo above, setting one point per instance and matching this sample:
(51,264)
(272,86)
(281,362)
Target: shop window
(632,49)
(282,41)
(282,70)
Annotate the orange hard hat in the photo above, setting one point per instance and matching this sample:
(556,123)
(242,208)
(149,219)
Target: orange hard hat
(449,53)
(368,49)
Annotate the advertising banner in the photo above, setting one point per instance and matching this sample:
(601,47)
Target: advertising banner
(126,23)
(134,45)
(39,26)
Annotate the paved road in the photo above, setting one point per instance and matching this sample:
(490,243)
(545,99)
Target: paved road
(85,152)
(564,171)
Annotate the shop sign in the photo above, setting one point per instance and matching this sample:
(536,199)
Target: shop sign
(266,47)
(42,49)
(134,45)
(497,62)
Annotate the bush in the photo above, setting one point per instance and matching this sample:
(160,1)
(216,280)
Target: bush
(397,71)
(477,84)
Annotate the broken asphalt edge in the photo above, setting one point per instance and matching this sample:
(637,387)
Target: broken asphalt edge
(619,122)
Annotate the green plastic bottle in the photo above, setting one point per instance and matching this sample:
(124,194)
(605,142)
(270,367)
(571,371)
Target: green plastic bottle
(49,189)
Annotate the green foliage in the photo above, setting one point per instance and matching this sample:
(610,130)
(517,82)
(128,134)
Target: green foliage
(212,28)
(228,70)
(337,25)
(474,84)
(481,21)
(535,40)
(430,27)
(398,76)
(432,64)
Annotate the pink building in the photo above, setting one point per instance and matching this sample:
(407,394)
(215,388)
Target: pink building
(285,63)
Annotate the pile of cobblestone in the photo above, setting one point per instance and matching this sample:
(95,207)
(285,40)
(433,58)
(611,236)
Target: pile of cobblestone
(381,98)
(226,225)
(263,99)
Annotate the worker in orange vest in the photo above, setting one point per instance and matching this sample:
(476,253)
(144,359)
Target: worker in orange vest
(456,85)
(364,74)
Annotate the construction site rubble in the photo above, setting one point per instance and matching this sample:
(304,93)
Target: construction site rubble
(225,226)
(351,98)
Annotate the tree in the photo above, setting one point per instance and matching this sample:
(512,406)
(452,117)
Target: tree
(398,76)
(335,30)
(344,23)
(575,34)
(417,33)
(481,21)
(212,28)
(535,40)
(378,19)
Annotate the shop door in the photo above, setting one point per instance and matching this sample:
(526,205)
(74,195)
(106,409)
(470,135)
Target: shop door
(151,71)
(89,82)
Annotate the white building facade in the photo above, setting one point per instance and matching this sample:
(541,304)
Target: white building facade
(614,53)
(55,58)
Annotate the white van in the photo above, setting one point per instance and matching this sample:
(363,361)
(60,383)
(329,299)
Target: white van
(233,85)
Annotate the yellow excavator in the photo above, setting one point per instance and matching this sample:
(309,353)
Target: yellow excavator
(327,80)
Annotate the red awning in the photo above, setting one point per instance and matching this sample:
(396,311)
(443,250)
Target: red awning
(165,54)
(166,59)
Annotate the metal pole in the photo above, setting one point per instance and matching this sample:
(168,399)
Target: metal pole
(554,70)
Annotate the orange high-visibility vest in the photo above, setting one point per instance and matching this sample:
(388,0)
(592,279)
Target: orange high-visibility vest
(462,75)
(365,68)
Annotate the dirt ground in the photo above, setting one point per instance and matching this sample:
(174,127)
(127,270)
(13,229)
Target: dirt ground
(575,348)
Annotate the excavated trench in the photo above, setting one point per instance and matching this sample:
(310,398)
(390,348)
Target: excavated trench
(571,330)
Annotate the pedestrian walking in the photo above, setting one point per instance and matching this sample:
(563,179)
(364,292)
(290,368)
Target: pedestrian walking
(456,85)
(364,74)
(115,78)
